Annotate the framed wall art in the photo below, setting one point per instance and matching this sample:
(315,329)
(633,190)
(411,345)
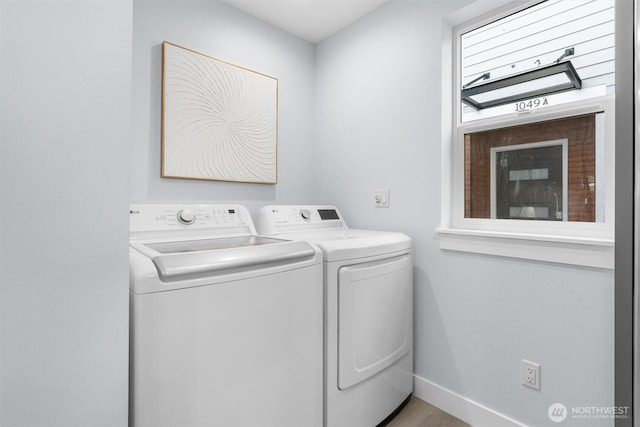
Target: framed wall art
(219,120)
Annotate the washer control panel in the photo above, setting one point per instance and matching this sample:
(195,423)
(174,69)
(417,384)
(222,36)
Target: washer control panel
(183,217)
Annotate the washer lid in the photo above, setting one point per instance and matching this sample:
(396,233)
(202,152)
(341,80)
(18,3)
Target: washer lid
(175,259)
(210,244)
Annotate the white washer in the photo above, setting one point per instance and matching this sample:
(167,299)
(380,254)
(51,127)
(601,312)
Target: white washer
(368,277)
(226,326)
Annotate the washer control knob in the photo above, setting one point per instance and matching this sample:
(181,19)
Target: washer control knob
(186,217)
(305,214)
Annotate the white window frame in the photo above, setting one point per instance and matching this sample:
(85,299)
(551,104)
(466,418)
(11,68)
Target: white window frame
(576,243)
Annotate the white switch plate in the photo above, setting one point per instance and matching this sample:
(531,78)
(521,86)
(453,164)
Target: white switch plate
(381,198)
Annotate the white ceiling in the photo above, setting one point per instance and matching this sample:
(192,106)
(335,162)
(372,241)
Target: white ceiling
(311,20)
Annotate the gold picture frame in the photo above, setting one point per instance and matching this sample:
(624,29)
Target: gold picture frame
(219,120)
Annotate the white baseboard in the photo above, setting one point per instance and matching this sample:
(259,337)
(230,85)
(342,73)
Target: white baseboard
(459,406)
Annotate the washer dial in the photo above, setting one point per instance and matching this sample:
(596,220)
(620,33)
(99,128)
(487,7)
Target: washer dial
(186,217)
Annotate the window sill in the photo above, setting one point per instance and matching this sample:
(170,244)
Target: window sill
(589,252)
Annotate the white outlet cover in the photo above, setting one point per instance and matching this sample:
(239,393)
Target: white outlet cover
(530,374)
(381,198)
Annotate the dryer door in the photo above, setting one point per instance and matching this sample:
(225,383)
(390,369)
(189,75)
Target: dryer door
(375,317)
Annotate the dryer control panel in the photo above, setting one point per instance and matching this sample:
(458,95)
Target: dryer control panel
(283,218)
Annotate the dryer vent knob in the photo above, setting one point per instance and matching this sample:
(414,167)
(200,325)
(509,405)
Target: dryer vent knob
(186,217)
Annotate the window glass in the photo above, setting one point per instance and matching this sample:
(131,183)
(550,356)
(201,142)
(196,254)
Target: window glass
(540,171)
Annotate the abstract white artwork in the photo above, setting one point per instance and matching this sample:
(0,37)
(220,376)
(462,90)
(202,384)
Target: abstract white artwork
(219,120)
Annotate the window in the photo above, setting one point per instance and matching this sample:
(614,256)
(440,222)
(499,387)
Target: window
(542,171)
(532,158)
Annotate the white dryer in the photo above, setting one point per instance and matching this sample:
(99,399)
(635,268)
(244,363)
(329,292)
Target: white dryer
(226,326)
(368,278)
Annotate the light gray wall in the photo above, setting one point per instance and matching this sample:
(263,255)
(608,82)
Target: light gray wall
(64,189)
(379,113)
(220,31)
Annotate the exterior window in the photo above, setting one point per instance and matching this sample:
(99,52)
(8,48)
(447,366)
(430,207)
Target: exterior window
(542,171)
(532,169)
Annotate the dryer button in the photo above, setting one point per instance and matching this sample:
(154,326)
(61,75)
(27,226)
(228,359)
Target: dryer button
(305,214)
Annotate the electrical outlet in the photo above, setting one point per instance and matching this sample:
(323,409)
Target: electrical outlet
(381,198)
(530,374)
